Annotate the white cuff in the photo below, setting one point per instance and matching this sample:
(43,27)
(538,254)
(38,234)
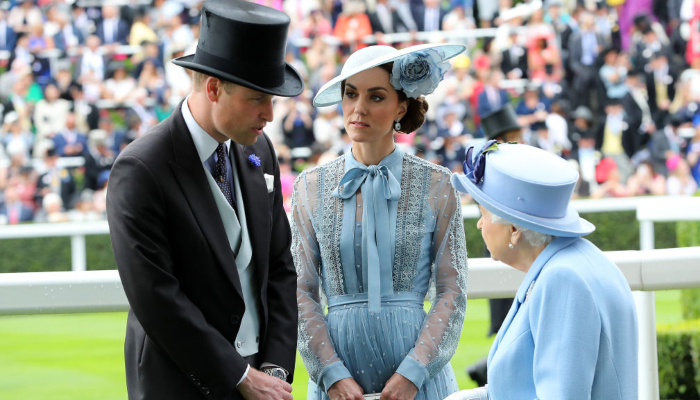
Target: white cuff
(244,375)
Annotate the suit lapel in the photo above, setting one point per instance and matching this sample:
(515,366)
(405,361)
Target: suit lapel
(255,201)
(191,176)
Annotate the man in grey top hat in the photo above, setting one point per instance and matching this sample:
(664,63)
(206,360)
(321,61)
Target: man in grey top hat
(198,227)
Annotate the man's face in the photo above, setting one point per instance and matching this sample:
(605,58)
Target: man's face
(242,114)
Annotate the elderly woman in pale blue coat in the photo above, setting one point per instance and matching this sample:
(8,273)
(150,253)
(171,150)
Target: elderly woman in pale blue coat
(571,332)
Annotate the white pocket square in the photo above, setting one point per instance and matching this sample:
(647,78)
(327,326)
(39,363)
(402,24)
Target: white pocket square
(270,182)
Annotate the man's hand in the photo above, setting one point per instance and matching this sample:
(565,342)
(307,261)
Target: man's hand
(399,388)
(346,389)
(261,386)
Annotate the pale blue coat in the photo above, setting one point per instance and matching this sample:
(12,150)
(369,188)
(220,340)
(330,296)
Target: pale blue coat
(571,332)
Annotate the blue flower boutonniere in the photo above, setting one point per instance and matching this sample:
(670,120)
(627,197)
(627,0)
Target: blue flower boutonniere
(419,73)
(254,160)
(474,167)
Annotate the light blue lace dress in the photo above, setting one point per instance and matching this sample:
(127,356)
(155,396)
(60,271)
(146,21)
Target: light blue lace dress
(371,242)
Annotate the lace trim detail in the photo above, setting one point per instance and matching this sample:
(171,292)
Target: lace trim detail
(331,216)
(313,364)
(458,249)
(411,219)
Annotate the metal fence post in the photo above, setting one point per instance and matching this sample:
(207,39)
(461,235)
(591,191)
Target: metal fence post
(78,255)
(648,369)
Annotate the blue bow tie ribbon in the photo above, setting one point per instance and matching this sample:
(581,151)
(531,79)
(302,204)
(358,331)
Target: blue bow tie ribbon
(378,186)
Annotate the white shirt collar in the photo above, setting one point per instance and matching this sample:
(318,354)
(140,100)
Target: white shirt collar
(203,142)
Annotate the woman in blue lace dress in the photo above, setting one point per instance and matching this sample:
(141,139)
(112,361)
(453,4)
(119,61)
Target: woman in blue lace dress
(373,230)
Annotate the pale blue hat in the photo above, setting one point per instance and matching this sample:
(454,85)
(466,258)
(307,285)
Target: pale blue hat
(524,185)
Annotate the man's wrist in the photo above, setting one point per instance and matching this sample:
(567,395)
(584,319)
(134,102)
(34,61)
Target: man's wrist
(277,372)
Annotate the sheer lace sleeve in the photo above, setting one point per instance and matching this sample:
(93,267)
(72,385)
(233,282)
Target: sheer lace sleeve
(442,328)
(314,343)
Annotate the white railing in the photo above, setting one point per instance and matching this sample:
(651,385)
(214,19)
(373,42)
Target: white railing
(95,291)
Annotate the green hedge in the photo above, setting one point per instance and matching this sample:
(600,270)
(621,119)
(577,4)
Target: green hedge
(679,371)
(688,233)
(614,231)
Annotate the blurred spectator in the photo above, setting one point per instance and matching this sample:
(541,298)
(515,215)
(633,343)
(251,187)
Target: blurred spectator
(120,86)
(8,36)
(584,47)
(14,137)
(459,20)
(542,51)
(112,30)
(37,41)
(13,210)
(428,15)
(92,68)
(68,141)
(493,97)
(68,36)
(661,87)
(530,110)
(384,19)
(23,16)
(84,209)
(55,180)
(327,126)
(116,136)
(298,125)
(51,210)
(692,155)
(557,138)
(86,113)
(680,181)
(98,157)
(514,59)
(646,181)
(141,30)
(587,158)
(611,184)
(353,25)
(316,24)
(665,143)
(50,115)
(613,73)
(613,136)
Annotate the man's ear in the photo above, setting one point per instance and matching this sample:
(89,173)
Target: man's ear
(212,88)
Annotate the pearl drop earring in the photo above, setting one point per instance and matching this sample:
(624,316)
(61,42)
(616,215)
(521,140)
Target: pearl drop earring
(397,125)
(510,245)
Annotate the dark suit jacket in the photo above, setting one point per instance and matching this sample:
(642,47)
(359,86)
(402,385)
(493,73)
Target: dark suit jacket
(419,16)
(10,40)
(508,64)
(396,23)
(657,113)
(123,30)
(60,38)
(179,272)
(60,142)
(484,107)
(576,52)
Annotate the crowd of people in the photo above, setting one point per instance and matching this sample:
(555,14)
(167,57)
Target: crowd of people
(613,87)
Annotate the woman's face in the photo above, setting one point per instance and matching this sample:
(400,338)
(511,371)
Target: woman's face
(496,235)
(370,106)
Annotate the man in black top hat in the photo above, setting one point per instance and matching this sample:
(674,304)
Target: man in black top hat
(198,227)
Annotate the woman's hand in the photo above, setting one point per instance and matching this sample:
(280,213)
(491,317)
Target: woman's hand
(399,388)
(346,389)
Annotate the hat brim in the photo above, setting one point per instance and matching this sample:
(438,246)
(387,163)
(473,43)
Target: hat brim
(293,83)
(571,225)
(330,93)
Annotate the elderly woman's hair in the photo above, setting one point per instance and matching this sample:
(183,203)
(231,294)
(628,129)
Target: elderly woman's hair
(535,238)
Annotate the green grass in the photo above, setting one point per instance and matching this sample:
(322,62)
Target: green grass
(79,356)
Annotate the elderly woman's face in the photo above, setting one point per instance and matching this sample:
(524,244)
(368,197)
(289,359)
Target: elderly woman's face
(370,105)
(496,236)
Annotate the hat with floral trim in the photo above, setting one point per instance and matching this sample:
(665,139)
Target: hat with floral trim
(417,69)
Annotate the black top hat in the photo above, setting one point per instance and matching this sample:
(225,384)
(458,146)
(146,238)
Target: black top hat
(500,121)
(245,43)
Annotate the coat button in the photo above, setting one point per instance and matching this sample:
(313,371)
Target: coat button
(235,319)
(239,344)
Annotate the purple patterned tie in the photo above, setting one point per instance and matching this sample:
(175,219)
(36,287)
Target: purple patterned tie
(220,175)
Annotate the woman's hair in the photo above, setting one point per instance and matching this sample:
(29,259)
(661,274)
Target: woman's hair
(416,108)
(535,238)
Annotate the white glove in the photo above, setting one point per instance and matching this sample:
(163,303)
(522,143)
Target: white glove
(469,394)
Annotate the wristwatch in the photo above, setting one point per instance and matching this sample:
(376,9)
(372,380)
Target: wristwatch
(277,372)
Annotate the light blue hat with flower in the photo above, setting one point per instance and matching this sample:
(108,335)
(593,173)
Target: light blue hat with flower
(417,69)
(524,185)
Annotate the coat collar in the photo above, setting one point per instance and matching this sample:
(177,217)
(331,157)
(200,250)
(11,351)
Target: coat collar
(190,174)
(552,248)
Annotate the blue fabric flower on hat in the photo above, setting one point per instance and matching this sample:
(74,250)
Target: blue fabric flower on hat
(254,160)
(419,73)
(474,168)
